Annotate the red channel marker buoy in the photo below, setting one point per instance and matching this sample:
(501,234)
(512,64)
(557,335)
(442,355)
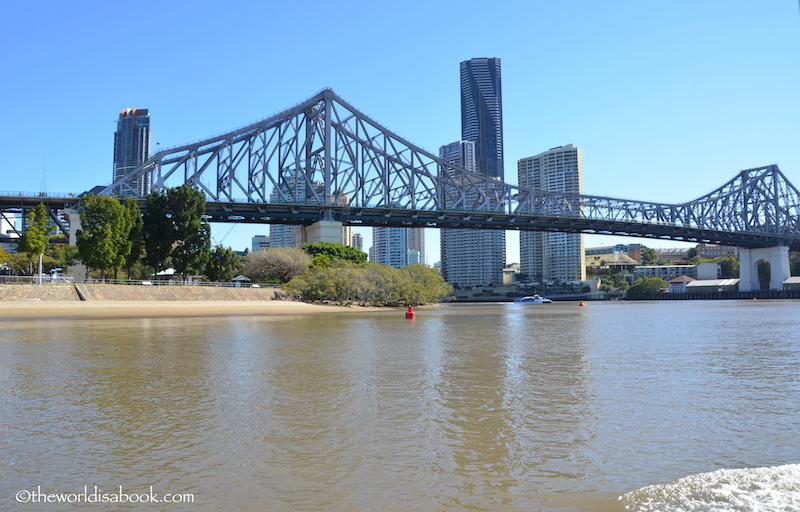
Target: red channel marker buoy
(580,303)
(410,313)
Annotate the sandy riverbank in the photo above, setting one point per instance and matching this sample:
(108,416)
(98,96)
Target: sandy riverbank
(30,309)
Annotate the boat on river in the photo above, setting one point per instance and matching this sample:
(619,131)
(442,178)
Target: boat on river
(533,299)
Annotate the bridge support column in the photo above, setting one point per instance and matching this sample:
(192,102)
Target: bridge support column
(74,222)
(321,231)
(778,259)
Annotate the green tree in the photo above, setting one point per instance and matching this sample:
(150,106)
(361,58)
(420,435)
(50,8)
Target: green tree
(335,251)
(222,264)
(764,274)
(649,256)
(104,238)
(729,267)
(136,234)
(175,230)
(691,253)
(644,288)
(35,239)
(157,231)
(422,285)
(281,263)
(794,264)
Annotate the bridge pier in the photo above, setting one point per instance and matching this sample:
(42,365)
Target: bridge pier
(321,231)
(778,259)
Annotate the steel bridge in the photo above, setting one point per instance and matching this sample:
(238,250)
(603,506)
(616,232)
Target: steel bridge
(324,160)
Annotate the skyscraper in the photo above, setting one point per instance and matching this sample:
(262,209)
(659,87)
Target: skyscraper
(132,146)
(477,257)
(545,255)
(482,113)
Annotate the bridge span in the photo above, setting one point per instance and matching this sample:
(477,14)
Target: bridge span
(324,161)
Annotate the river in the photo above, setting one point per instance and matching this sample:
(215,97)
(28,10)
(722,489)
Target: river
(667,406)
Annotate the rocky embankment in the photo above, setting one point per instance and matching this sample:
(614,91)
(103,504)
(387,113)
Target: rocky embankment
(110,292)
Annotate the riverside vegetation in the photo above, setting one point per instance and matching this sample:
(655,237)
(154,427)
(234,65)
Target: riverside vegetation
(115,237)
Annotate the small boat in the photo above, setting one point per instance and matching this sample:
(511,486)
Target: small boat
(533,299)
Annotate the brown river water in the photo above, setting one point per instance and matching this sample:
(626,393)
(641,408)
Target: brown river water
(668,406)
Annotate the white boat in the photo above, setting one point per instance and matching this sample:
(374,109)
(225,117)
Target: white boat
(533,299)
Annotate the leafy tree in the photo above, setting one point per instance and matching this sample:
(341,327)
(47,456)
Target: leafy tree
(649,256)
(370,283)
(729,267)
(222,264)
(35,239)
(422,285)
(335,251)
(764,274)
(136,234)
(157,230)
(281,263)
(691,253)
(104,238)
(644,288)
(794,264)
(175,230)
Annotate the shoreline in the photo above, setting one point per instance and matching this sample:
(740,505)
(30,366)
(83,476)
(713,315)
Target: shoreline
(67,310)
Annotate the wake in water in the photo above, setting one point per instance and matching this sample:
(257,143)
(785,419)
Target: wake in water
(775,489)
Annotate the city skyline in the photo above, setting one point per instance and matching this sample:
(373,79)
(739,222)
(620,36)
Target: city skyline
(694,92)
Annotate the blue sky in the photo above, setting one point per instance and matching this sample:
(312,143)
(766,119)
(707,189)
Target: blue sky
(667,100)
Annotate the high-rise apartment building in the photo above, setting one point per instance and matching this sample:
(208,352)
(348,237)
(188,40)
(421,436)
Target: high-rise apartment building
(132,146)
(470,257)
(396,246)
(545,255)
(357,241)
(259,243)
(389,246)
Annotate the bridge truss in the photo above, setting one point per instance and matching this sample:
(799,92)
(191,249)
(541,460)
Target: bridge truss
(324,160)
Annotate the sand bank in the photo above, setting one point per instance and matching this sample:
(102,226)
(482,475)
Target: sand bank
(31,309)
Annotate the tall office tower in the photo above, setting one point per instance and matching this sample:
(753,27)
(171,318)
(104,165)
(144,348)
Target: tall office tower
(357,241)
(482,113)
(470,257)
(132,146)
(544,255)
(389,246)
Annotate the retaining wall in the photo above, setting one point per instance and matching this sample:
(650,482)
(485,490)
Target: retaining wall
(110,292)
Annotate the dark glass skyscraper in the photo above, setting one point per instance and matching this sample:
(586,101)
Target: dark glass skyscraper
(132,146)
(476,257)
(482,113)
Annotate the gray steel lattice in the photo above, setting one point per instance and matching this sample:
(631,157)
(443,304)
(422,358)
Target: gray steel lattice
(323,158)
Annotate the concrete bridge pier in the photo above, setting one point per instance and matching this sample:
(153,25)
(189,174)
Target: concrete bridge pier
(321,231)
(778,259)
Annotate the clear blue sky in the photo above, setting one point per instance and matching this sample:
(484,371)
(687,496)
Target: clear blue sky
(667,100)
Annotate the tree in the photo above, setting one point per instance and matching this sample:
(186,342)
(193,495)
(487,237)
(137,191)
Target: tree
(104,238)
(644,288)
(222,264)
(335,251)
(35,239)
(136,234)
(794,264)
(649,256)
(729,267)
(422,285)
(691,253)
(281,263)
(175,230)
